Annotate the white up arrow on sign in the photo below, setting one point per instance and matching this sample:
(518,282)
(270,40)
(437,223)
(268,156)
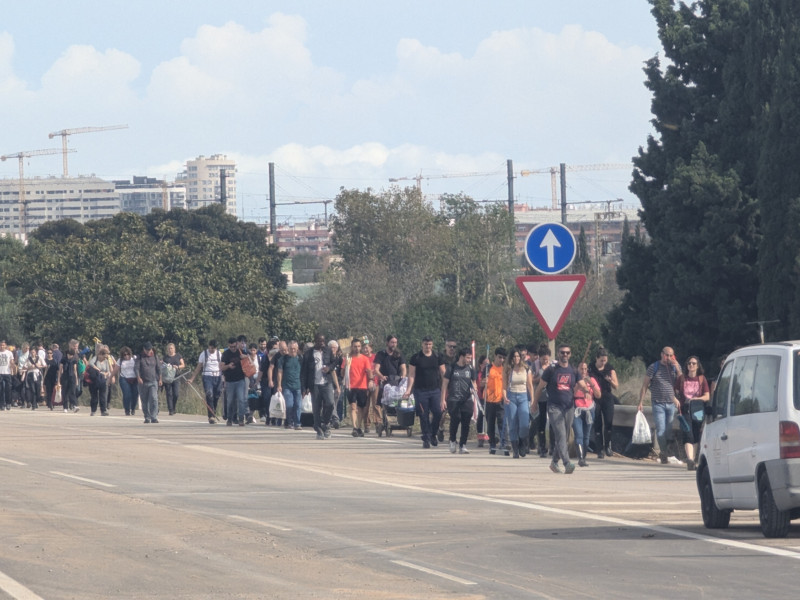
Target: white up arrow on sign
(550,242)
(551,298)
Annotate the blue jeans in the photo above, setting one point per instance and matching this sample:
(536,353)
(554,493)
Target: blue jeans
(293,400)
(518,416)
(663,415)
(149,393)
(212,386)
(428,403)
(582,426)
(237,399)
(130,394)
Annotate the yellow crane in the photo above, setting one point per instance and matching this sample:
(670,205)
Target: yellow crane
(555,170)
(23,204)
(65,133)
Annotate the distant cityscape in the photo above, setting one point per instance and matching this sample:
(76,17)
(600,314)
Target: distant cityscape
(212,179)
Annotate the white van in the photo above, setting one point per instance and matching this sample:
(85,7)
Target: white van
(750,448)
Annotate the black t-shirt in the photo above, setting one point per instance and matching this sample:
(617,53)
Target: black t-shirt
(69,369)
(459,388)
(560,385)
(172,360)
(600,376)
(426,370)
(51,374)
(390,365)
(234,358)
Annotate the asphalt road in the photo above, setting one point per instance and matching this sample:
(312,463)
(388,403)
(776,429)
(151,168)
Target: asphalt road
(102,507)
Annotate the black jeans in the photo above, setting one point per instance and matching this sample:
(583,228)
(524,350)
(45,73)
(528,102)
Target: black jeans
(495,420)
(99,394)
(460,413)
(603,421)
(322,406)
(428,404)
(172,390)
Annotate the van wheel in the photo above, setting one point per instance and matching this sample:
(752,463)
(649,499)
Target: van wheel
(774,522)
(713,517)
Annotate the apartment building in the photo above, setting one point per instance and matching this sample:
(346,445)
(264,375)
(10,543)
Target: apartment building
(141,195)
(54,198)
(202,180)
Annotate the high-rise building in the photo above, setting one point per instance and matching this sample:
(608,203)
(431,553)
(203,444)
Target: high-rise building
(143,194)
(202,179)
(54,198)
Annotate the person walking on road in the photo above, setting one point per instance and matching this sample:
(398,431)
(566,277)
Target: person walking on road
(584,411)
(517,386)
(148,376)
(660,379)
(319,379)
(560,381)
(426,369)
(458,385)
(235,381)
(358,372)
(495,402)
(694,393)
(208,366)
(606,376)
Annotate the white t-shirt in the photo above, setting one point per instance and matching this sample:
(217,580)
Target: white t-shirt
(210,367)
(319,376)
(6,358)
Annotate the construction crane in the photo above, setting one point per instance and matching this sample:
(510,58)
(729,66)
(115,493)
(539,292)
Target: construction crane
(65,133)
(554,173)
(23,204)
(420,177)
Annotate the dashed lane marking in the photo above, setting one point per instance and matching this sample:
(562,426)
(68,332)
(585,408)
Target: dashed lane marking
(409,565)
(84,479)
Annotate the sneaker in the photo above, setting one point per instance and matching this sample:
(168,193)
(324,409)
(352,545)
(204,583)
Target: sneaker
(298,428)
(320,436)
(241,422)
(287,426)
(463,450)
(506,452)
(360,433)
(492,450)
(355,432)
(327,434)
(229,423)
(480,442)
(453,447)
(154,420)
(600,454)
(434,441)
(426,444)
(76,409)
(690,466)
(147,420)
(66,410)
(569,468)
(554,467)
(212,421)
(335,424)
(663,458)
(104,413)
(92,413)
(674,460)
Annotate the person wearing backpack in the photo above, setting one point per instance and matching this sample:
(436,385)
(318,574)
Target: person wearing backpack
(148,375)
(208,366)
(660,379)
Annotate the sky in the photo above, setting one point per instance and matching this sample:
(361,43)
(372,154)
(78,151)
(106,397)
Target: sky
(349,93)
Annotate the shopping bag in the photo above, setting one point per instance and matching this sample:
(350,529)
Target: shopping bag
(306,406)
(641,430)
(277,406)
(57,396)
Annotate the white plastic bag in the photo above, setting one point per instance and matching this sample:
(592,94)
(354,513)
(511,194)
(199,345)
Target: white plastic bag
(641,430)
(392,394)
(306,406)
(277,406)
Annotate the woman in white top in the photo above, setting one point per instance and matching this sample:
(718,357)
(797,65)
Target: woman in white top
(127,380)
(517,392)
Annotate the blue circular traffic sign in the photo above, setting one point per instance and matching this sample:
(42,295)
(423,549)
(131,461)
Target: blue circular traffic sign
(550,248)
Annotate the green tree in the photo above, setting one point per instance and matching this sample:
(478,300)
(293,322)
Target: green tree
(583,262)
(692,283)
(777,45)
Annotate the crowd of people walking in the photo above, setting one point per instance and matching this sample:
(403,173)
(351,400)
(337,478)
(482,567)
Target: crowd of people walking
(521,400)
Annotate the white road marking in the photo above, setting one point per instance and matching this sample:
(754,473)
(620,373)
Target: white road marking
(15,589)
(262,523)
(403,563)
(750,547)
(94,481)
(14,462)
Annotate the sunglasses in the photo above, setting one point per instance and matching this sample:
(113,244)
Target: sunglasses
(567,352)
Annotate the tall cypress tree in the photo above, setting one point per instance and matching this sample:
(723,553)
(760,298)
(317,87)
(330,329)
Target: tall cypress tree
(693,284)
(776,47)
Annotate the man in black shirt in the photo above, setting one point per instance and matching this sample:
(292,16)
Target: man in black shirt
(426,369)
(235,382)
(458,385)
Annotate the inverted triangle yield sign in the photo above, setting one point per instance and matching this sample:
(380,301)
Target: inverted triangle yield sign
(551,298)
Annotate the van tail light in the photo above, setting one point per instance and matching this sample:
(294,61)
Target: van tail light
(789,439)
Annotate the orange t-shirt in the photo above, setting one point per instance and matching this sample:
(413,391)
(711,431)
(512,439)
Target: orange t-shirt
(494,385)
(359,365)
